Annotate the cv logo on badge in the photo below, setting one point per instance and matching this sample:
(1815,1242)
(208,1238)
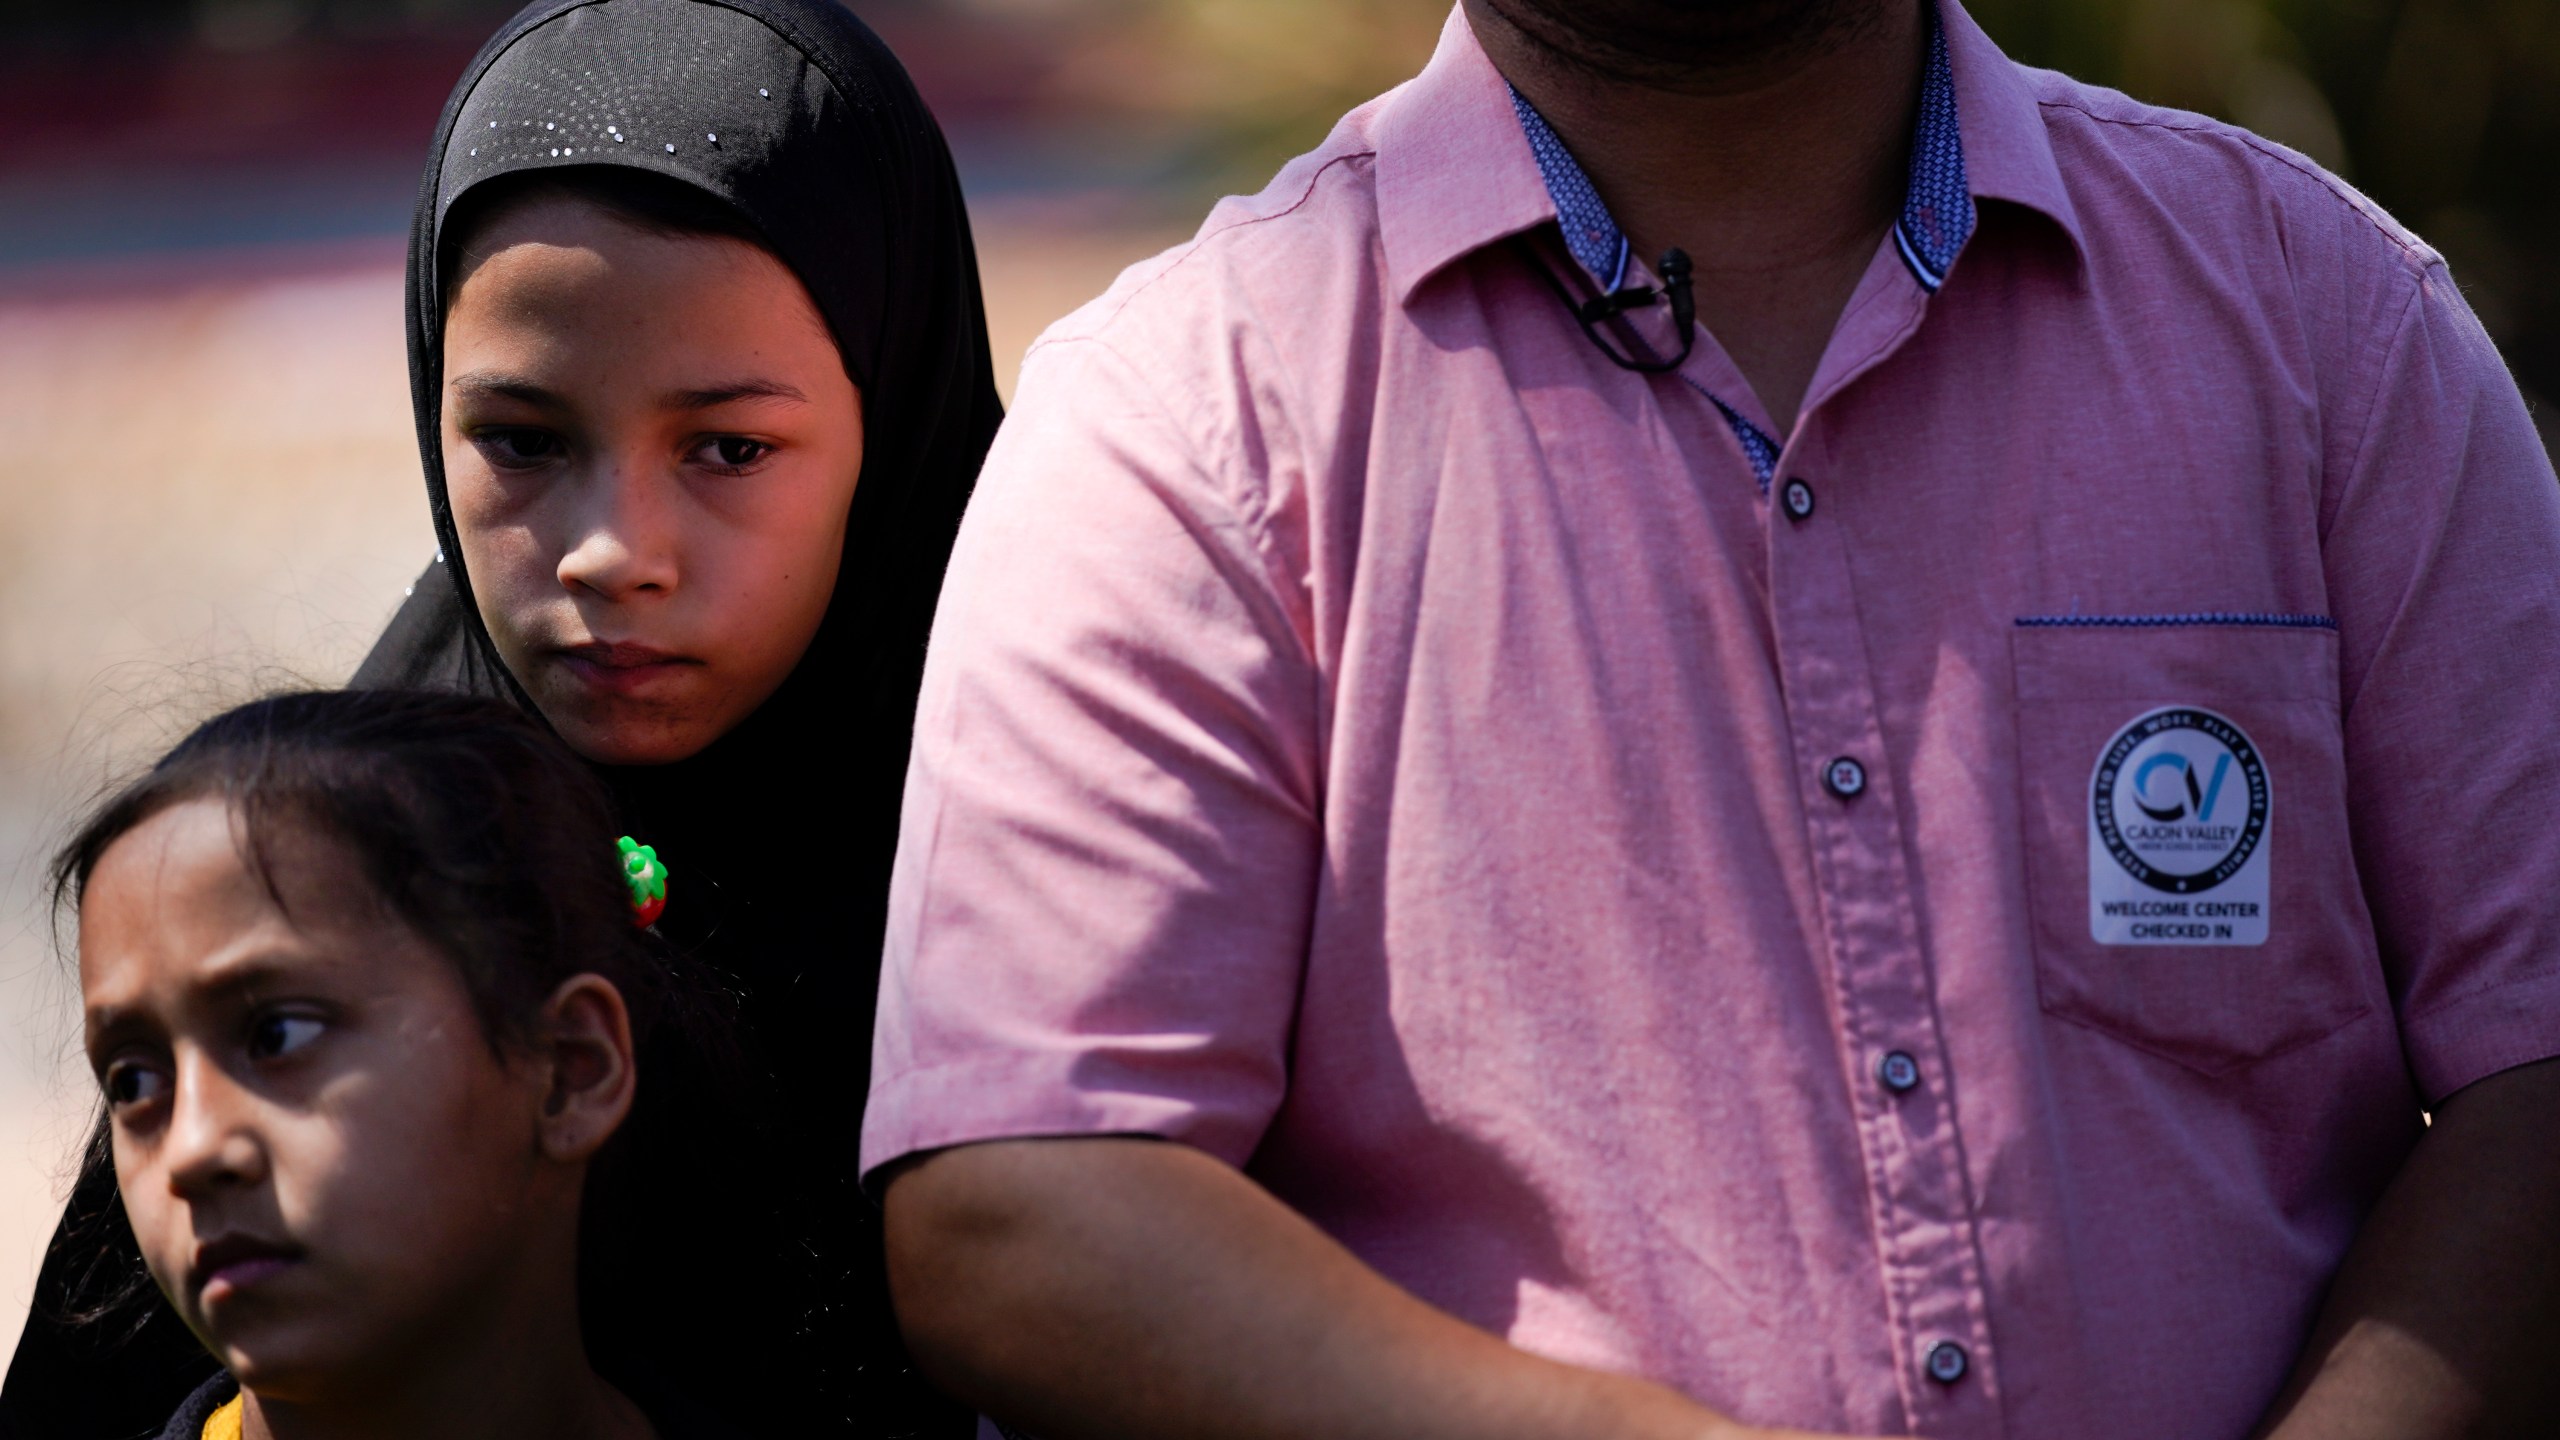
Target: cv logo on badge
(2178,812)
(2166,804)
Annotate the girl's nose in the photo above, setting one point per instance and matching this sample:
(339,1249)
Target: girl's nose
(622,540)
(212,1143)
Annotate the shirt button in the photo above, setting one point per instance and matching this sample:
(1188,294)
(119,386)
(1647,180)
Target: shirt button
(1798,498)
(1947,1362)
(1845,778)
(1899,1072)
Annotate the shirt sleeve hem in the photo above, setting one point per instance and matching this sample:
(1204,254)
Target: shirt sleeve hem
(1026,1098)
(2482,1033)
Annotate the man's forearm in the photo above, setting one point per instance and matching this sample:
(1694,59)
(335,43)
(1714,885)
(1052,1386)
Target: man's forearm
(1136,1289)
(2446,1317)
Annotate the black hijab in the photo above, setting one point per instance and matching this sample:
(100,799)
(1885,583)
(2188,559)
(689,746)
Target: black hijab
(779,836)
(799,119)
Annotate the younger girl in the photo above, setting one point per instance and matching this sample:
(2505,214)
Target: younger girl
(362,988)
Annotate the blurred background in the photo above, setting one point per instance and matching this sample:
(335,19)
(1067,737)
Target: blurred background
(207,476)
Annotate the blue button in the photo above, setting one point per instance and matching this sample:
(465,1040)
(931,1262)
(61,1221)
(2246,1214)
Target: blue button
(1845,778)
(1899,1072)
(1947,1362)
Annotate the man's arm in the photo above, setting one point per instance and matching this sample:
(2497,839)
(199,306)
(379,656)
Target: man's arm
(2445,1319)
(1137,1289)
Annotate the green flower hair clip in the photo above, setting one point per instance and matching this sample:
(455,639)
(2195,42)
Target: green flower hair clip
(647,879)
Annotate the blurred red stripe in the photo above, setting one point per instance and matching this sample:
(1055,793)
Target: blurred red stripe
(339,99)
(303,102)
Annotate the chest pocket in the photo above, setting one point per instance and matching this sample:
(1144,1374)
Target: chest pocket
(2188,858)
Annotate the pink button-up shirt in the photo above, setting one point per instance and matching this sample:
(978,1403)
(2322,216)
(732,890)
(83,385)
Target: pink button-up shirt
(1374,738)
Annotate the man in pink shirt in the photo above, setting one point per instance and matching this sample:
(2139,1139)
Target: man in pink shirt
(1889,824)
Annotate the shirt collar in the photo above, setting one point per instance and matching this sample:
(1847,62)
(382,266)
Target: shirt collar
(1454,171)
(1464,161)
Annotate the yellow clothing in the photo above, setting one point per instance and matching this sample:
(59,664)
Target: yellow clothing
(224,1424)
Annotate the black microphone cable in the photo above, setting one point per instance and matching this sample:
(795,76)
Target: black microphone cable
(1591,314)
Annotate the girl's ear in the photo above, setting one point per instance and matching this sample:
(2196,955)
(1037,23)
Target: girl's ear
(586,1047)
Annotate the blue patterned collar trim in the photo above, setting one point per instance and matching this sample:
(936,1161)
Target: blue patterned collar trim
(1590,231)
(1937,206)
(1757,447)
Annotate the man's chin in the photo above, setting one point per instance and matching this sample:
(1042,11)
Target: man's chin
(1669,41)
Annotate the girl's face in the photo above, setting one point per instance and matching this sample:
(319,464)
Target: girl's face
(651,445)
(329,1170)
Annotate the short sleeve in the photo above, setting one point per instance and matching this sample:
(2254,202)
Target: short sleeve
(2442,551)
(1108,846)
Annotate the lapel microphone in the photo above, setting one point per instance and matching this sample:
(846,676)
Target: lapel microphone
(1676,271)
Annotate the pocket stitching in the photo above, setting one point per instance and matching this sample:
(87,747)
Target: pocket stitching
(2279,620)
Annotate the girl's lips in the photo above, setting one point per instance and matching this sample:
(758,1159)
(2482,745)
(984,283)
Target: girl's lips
(623,669)
(239,1275)
(234,1263)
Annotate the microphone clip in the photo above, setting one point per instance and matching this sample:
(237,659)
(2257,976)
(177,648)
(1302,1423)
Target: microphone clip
(1677,286)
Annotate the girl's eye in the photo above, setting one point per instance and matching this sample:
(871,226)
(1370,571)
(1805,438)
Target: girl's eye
(272,1036)
(131,1082)
(511,448)
(732,452)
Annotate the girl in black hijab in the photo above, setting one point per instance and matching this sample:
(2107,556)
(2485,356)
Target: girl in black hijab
(786,124)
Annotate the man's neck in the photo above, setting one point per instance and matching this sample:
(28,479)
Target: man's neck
(1780,176)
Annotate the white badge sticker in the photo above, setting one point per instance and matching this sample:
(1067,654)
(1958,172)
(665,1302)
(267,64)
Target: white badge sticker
(2179,810)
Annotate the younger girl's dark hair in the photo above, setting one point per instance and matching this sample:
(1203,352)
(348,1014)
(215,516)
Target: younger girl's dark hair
(472,823)
(479,831)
